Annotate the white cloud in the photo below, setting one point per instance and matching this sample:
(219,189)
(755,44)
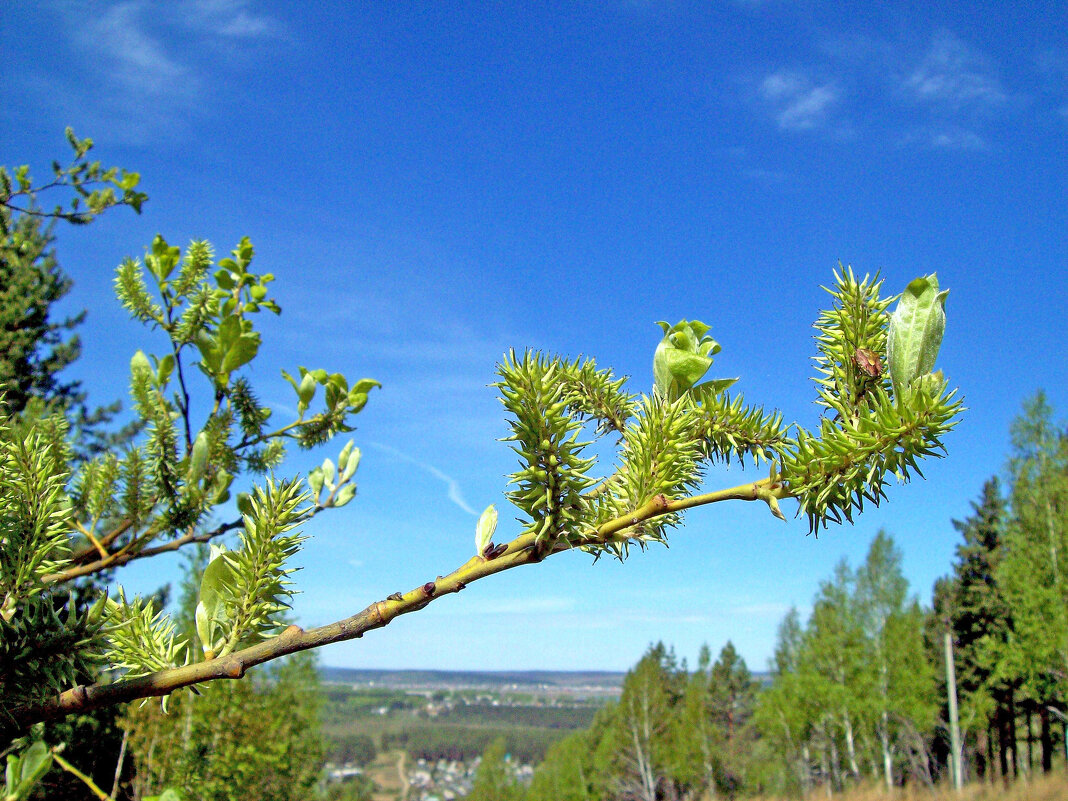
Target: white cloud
(953,75)
(767,609)
(799,104)
(525,606)
(144,73)
(451,484)
(231,18)
(958,139)
(135,60)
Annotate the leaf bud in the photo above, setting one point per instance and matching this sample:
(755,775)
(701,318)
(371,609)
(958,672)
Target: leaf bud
(352,463)
(328,474)
(345,494)
(198,459)
(343,457)
(487,525)
(315,481)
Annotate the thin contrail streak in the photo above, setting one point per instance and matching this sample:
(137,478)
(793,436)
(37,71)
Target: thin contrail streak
(451,484)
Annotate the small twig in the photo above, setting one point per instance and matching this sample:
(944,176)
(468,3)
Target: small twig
(129,553)
(185,395)
(89,535)
(105,541)
(85,779)
(118,765)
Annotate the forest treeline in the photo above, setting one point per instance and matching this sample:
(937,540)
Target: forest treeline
(858,692)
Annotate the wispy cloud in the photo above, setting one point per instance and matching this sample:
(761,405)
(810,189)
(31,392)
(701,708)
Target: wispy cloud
(231,18)
(132,58)
(957,139)
(954,76)
(526,606)
(144,73)
(798,103)
(452,485)
(771,610)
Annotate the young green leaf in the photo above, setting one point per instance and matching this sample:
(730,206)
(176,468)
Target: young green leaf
(683,357)
(915,334)
(352,462)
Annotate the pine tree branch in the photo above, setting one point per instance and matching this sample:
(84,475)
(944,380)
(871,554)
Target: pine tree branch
(522,550)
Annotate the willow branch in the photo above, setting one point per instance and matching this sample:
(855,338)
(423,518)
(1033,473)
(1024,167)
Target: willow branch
(520,551)
(130,552)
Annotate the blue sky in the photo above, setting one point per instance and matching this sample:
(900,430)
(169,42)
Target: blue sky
(435,183)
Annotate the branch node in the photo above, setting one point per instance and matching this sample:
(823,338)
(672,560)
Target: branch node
(292,632)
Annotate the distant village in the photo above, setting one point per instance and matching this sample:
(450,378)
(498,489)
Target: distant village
(449,779)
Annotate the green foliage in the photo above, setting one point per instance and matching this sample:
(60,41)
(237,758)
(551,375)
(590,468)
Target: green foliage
(671,735)
(25,769)
(915,335)
(34,347)
(67,520)
(554,474)
(683,357)
(1029,664)
(33,509)
(140,638)
(44,642)
(235,740)
(493,780)
(854,685)
(95,188)
(242,591)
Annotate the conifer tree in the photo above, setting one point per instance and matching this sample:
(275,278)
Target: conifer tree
(973,602)
(732,697)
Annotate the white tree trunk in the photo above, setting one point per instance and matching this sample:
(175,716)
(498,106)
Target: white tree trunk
(884,740)
(851,748)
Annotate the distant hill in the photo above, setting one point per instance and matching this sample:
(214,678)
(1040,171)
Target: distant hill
(487,679)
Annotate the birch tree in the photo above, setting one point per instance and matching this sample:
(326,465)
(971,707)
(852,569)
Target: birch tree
(1034,572)
(903,698)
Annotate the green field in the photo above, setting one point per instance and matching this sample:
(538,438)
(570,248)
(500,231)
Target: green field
(445,724)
